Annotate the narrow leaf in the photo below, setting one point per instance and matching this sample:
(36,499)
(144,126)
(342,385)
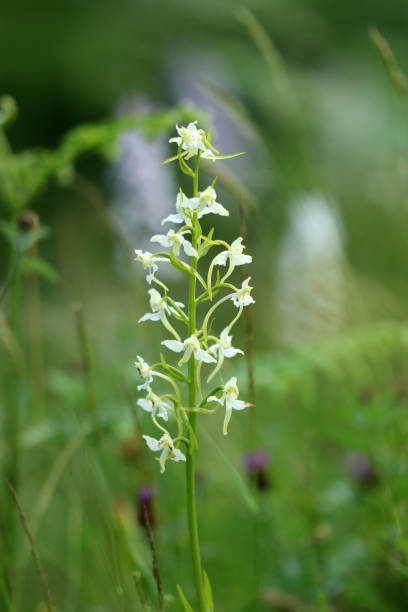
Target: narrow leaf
(186,605)
(208,597)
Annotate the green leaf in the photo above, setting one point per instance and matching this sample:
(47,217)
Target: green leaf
(186,605)
(40,267)
(208,598)
(233,473)
(174,373)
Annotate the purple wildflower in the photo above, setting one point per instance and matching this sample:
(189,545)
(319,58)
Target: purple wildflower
(255,464)
(360,467)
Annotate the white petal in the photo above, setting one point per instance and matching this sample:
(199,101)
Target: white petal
(174,345)
(150,277)
(221,258)
(178,455)
(145,405)
(186,356)
(162,412)
(163,459)
(239,404)
(152,443)
(150,316)
(231,352)
(144,386)
(161,239)
(202,355)
(214,398)
(214,348)
(228,413)
(178,218)
(239,260)
(188,249)
(218,209)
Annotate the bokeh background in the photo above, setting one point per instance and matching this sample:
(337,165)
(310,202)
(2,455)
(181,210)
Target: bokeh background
(303,88)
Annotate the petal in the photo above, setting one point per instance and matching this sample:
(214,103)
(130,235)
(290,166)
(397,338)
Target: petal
(186,356)
(178,218)
(221,258)
(174,345)
(231,351)
(228,413)
(162,412)
(202,355)
(161,239)
(150,316)
(146,405)
(239,404)
(214,398)
(152,443)
(144,386)
(188,249)
(178,455)
(239,260)
(214,348)
(218,209)
(163,459)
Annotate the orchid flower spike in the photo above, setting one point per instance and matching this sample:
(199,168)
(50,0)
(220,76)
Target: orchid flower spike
(175,240)
(207,204)
(229,398)
(166,445)
(145,372)
(153,403)
(224,349)
(160,310)
(190,346)
(243,297)
(185,207)
(192,140)
(148,262)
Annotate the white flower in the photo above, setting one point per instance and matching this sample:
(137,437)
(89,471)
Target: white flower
(185,207)
(160,310)
(166,445)
(175,240)
(192,140)
(145,372)
(190,346)
(229,398)
(153,403)
(234,254)
(243,296)
(207,204)
(148,262)
(224,349)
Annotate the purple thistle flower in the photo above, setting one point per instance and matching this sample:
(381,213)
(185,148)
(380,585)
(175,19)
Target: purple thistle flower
(255,464)
(360,467)
(145,501)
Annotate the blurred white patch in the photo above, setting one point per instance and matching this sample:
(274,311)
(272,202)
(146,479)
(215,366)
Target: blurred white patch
(144,189)
(310,277)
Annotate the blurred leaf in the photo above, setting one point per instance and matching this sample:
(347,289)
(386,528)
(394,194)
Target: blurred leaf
(40,267)
(186,605)
(208,597)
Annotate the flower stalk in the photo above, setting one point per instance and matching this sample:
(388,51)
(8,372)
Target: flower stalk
(189,242)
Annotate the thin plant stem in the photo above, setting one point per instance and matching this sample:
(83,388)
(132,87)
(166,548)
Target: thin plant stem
(156,572)
(140,592)
(34,550)
(190,464)
(88,371)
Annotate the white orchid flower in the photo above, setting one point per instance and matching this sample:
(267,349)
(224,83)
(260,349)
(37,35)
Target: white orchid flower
(207,204)
(160,310)
(153,403)
(229,399)
(224,349)
(166,445)
(190,346)
(243,297)
(192,140)
(185,207)
(234,254)
(145,372)
(175,240)
(148,262)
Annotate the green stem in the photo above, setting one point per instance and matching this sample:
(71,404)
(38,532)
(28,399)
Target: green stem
(190,465)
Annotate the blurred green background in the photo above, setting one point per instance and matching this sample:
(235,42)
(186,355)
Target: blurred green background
(302,88)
